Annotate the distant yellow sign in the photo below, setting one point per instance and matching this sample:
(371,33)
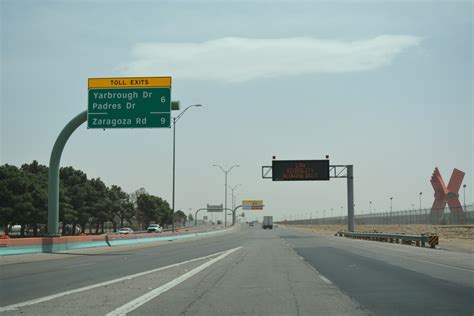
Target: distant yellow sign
(252,204)
(135,82)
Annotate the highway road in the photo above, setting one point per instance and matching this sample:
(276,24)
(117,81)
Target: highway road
(249,271)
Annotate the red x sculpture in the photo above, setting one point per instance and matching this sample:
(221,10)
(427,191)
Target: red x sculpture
(449,194)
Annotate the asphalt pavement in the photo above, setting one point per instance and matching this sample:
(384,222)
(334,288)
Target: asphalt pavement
(391,279)
(248,271)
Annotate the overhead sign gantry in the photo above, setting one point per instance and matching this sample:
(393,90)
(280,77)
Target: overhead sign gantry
(314,170)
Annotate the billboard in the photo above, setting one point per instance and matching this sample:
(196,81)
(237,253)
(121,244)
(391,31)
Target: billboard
(252,204)
(300,170)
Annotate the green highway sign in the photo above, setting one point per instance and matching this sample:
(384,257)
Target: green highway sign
(129,103)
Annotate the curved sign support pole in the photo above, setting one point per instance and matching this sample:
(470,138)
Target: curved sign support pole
(53,173)
(233,214)
(196,215)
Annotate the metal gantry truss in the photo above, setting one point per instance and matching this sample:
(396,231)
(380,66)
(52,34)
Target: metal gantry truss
(265,171)
(338,171)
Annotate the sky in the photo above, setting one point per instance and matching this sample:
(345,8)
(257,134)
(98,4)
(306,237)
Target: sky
(385,86)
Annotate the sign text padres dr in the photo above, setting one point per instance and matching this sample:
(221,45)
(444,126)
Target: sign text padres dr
(143,102)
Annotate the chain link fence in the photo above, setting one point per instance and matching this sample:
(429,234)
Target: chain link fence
(445,216)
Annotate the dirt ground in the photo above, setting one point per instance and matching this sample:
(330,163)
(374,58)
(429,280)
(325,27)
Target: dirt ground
(451,237)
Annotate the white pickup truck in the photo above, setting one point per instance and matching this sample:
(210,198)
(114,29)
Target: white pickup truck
(267,222)
(154,228)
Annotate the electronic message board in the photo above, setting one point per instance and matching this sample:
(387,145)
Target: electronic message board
(300,170)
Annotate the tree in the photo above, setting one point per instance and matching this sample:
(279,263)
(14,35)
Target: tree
(190,217)
(180,217)
(164,211)
(147,209)
(9,189)
(73,197)
(23,197)
(24,201)
(121,207)
(38,190)
(98,205)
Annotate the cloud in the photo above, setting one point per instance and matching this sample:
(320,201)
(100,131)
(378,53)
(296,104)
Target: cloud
(235,59)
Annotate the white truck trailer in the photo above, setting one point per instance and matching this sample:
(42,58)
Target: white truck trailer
(267,222)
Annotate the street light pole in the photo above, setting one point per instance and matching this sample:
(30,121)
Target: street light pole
(464,189)
(225,198)
(421,193)
(391,210)
(175,120)
(342,216)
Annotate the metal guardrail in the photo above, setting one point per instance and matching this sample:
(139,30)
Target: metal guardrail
(417,240)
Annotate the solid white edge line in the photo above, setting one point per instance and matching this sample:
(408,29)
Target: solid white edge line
(416,259)
(93,286)
(325,280)
(136,303)
(80,265)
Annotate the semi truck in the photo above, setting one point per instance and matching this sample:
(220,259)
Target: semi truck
(267,222)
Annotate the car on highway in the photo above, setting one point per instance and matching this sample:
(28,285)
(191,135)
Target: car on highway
(125,230)
(154,228)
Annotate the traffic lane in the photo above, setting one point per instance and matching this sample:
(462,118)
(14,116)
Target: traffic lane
(31,280)
(103,298)
(446,265)
(265,277)
(26,280)
(379,286)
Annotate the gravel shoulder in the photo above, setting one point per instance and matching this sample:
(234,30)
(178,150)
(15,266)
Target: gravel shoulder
(459,238)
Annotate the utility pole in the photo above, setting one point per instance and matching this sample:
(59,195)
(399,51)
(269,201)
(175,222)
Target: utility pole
(464,189)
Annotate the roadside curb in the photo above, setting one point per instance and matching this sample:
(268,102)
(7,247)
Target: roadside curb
(61,244)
